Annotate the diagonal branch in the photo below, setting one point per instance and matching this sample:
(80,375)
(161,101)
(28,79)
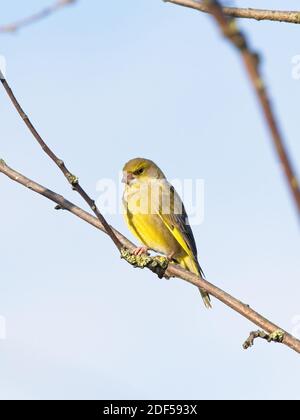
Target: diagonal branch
(237,12)
(251,62)
(61,202)
(42,14)
(172,271)
(72,179)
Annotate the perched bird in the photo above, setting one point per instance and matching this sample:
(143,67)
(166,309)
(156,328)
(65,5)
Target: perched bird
(156,215)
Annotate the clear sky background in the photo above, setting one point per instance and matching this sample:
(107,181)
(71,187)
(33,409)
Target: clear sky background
(105,82)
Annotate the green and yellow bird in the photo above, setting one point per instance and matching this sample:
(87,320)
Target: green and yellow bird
(156,215)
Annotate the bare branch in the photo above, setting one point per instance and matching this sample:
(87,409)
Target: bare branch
(237,12)
(172,270)
(245,13)
(72,179)
(61,202)
(251,61)
(42,14)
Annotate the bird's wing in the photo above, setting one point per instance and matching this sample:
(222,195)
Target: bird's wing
(175,219)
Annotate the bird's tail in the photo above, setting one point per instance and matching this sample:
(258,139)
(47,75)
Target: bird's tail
(204,294)
(194,266)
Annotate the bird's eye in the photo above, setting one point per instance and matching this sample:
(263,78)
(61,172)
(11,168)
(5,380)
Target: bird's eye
(139,171)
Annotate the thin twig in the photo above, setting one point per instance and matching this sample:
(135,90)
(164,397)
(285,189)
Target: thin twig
(276,337)
(172,271)
(61,202)
(42,14)
(251,61)
(72,179)
(237,12)
(246,13)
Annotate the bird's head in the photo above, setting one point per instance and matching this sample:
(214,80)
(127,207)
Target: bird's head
(140,169)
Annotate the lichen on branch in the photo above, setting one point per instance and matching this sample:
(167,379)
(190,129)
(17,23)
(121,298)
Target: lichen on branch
(157,264)
(276,337)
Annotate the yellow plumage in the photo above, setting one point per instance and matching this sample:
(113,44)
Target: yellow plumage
(156,216)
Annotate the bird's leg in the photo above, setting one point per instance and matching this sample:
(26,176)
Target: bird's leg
(140,250)
(171,256)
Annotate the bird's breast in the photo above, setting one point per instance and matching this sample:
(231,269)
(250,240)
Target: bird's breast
(147,225)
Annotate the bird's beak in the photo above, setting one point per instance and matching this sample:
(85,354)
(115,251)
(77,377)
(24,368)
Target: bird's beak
(127,177)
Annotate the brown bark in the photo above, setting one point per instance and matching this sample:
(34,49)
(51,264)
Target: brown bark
(244,13)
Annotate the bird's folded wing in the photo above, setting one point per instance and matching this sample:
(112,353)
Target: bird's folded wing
(175,219)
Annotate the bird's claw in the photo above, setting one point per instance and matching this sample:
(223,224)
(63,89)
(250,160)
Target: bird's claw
(171,257)
(141,250)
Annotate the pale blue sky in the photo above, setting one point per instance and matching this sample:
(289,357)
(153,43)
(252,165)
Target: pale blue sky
(105,82)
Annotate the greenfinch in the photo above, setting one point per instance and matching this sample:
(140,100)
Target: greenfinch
(156,215)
